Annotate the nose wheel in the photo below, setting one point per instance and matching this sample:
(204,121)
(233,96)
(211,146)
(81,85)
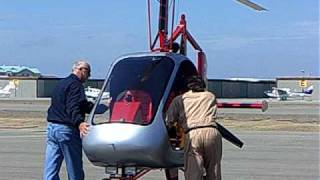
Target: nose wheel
(171,174)
(124,176)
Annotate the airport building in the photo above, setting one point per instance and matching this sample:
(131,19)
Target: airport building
(240,88)
(42,87)
(19,71)
(35,87)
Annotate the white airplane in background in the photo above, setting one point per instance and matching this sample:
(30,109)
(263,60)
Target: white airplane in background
(285,93)
(94,93)
(6,91)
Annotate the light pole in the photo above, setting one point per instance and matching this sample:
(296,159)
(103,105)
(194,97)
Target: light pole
(302,79)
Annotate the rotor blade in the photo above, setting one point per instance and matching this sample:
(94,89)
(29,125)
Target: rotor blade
(252,5)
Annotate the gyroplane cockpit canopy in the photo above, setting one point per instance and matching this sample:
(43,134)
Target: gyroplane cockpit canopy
(136,86)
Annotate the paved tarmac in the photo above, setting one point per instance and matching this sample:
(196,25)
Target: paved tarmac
(296,107)
(265,156)
(268,155)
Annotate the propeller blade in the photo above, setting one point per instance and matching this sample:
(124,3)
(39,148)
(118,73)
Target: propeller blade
(252,5)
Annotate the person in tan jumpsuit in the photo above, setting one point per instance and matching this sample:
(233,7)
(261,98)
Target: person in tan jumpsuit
(195,112)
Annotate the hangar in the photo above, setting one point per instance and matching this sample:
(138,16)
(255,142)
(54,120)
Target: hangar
(41,87)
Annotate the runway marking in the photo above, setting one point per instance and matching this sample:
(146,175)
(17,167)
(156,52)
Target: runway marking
(23,136)
(5,137)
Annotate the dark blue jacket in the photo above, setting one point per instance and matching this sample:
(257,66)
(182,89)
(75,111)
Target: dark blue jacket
(68,102)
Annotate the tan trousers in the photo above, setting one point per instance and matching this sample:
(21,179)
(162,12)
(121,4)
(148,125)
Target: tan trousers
(203,154)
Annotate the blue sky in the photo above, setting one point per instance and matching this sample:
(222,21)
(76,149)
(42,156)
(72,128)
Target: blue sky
(238,41)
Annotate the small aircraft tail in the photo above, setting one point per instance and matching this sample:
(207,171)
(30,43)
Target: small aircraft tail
(309,90)
(9,86)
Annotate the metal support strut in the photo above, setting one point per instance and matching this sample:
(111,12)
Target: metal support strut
(130,177)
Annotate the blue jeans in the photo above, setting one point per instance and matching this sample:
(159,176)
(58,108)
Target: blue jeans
(63,142)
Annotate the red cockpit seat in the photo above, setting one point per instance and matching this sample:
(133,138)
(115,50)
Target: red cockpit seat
(125,112)
(134,106)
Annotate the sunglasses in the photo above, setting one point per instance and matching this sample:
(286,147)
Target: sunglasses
(85,68)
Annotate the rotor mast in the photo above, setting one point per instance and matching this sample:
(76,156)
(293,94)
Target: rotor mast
(165,43)
(163,24)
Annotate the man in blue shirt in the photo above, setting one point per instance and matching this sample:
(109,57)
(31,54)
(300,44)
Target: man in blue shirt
(66,125)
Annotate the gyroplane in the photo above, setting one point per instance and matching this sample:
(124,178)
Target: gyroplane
(130,138)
